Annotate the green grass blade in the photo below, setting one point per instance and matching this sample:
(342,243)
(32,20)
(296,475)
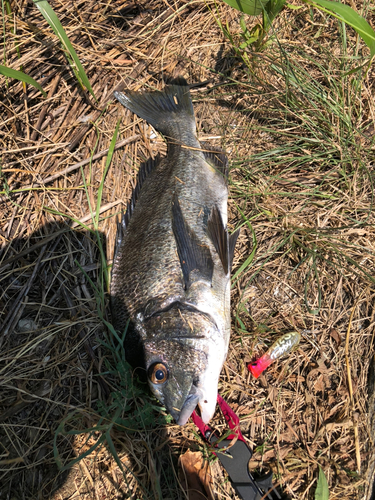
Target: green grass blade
(322,492)
(60,431)
(251,7)
(19,75)
(98,205)
(349,16)
(107,164)
(250,258)
(121,465)
(49,15)
(112,449)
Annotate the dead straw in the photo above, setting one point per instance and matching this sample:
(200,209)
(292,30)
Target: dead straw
(350,385)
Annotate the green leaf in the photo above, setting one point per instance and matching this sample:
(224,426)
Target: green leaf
(349,16)
(251,7)
(243,25)
(19,75)
(272,9)
(49,15)
(322,491)
(248,42)
(294,7)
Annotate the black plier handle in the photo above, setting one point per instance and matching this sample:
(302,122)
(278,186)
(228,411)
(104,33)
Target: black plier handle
(235,457)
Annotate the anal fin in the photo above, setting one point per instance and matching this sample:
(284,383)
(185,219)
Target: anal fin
(193,255)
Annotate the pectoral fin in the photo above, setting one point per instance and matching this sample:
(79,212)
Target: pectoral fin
(193,255)
(218,234)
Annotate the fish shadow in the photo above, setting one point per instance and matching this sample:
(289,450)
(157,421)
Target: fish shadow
(48,337)
(66,388)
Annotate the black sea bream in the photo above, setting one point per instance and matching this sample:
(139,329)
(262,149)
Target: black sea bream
(171,271)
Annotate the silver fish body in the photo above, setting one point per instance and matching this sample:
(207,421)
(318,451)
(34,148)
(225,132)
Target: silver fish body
(171,271)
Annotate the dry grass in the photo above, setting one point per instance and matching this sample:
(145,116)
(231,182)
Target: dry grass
(302,187)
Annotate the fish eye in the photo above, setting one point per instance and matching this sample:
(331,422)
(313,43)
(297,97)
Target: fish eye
(158,373)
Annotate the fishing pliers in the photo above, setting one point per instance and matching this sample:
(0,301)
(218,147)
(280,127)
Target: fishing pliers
(235,457)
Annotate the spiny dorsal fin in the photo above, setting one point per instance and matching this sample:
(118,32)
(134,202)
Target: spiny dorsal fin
(218,234)
(232,244)
(193,256)
(217,158)
(143,172)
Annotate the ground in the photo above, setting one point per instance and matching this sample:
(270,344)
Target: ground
(297,124)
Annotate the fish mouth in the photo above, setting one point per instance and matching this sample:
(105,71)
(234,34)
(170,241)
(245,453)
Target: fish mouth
(189,406)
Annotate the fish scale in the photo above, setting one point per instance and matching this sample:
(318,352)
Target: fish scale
(171,278)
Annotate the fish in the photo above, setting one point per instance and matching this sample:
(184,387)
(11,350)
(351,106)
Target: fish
(170,284)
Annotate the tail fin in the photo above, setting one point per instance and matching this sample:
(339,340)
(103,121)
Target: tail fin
(162,109)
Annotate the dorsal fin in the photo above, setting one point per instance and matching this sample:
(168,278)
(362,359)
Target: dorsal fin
(193,255)
(218,234)
(143,172)
(216,158)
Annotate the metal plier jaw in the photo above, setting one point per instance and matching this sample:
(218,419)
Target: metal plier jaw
(235,457)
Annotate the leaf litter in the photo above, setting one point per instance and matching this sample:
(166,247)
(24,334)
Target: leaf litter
(301,161)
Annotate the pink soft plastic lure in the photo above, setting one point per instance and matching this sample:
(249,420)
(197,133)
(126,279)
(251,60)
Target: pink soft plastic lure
(283,345)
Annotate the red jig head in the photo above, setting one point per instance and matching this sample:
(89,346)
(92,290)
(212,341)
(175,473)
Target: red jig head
(283,345)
